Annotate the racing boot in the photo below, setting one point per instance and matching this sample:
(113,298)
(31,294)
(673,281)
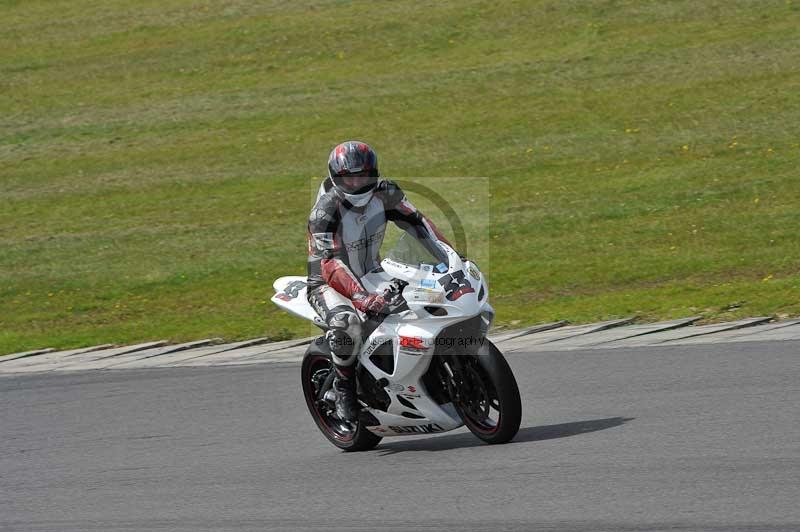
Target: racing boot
(344,387)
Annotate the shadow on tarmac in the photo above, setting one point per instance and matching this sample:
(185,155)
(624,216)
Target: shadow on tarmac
(528,434)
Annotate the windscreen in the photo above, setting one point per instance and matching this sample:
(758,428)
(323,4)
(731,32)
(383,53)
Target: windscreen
(409,251)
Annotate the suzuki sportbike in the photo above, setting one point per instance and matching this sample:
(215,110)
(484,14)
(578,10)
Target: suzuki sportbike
(425,365)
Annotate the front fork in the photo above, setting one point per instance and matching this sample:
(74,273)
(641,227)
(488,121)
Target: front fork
(451,371)
(463,384)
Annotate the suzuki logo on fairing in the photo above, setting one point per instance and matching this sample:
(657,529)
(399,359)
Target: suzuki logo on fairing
(412,343)
(418,429)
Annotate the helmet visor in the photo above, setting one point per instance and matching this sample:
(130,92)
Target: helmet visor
(356,183)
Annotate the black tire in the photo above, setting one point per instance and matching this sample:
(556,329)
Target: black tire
(501,389)
(346,436)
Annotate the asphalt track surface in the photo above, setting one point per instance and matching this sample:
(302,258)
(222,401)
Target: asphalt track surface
(690,437)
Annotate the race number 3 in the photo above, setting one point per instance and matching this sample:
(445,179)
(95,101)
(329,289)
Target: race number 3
(455,285)
(292,290)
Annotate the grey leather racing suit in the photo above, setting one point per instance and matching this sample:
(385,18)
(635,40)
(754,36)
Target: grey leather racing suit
(344,245)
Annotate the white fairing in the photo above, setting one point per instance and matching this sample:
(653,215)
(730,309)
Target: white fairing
(404,383)
(455,291)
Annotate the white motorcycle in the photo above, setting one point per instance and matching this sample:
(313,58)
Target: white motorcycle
(425,364)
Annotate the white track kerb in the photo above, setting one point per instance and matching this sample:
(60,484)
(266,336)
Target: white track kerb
(558,336)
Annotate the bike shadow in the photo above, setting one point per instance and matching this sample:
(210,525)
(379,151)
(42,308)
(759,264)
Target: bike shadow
(528,434)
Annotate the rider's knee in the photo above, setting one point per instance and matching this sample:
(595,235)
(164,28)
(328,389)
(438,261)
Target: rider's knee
(344,336)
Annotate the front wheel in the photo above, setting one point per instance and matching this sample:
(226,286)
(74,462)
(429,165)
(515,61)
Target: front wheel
(487,395)
(316,368)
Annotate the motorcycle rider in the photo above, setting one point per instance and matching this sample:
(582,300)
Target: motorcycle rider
(345,231)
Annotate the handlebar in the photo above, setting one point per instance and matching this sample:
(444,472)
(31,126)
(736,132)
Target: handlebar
(394,298)
(395,290)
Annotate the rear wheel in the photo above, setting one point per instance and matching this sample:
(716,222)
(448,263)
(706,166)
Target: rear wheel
(315,372)
(487,395)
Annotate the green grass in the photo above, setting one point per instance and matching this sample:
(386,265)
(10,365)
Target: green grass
(156,157)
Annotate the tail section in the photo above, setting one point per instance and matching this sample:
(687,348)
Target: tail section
(290,295)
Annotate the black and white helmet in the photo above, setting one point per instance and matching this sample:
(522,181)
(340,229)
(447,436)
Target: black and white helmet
(353,169)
